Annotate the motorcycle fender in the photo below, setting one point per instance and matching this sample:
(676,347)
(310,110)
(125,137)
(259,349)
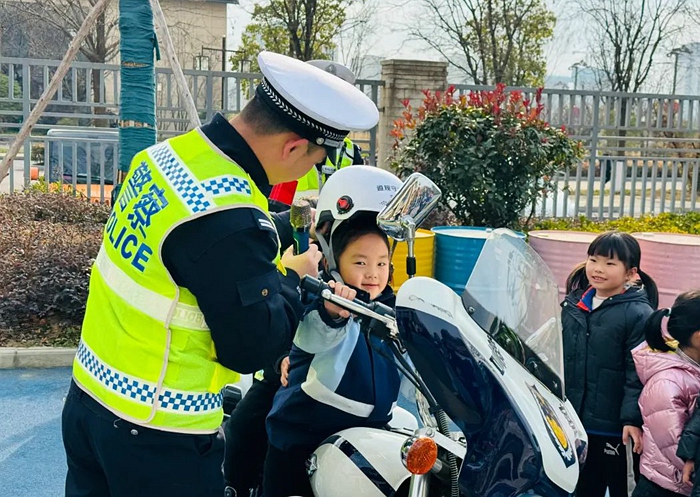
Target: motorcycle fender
(359,462)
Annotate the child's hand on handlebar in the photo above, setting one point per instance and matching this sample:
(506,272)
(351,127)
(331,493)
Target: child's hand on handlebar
(342,291)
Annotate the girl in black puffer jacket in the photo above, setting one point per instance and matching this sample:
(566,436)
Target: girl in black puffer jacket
(603,319)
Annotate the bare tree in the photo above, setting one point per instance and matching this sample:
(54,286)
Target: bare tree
(491,41)
(626,36)
(22,35)
(357,35)
(64,18)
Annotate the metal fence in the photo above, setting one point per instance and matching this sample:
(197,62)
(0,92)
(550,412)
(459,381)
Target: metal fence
(642,152)
(76,140)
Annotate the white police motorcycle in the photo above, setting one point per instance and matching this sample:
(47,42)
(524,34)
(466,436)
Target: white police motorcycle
(490,359)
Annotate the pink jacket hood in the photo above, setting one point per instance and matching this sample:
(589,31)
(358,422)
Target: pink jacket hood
(671,385)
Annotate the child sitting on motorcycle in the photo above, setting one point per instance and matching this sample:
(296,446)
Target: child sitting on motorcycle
(338,377)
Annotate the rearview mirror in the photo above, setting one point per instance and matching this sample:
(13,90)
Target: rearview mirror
(411,205)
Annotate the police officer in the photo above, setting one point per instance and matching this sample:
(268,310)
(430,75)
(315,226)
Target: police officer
(246,436)
(347,155)
(189,288)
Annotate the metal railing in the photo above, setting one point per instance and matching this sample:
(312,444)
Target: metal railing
(87,101)
(642,152)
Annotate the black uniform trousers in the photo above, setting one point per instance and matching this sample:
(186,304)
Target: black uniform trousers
(110,457)
(605,468)
(285,472)
(246,436)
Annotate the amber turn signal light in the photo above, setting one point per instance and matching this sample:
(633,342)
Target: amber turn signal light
(419,454)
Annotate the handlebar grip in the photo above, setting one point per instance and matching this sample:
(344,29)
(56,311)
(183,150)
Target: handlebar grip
(313,286)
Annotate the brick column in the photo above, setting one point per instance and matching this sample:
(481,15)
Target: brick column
(404,79)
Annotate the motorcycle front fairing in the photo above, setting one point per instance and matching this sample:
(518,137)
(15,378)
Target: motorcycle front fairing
(492,360)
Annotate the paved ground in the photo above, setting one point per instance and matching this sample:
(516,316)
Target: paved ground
(32,462)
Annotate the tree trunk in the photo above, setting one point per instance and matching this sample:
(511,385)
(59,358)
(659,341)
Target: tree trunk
(137,107)
(101,58)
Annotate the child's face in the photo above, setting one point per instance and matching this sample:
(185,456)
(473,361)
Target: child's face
(607,275)
(364,264)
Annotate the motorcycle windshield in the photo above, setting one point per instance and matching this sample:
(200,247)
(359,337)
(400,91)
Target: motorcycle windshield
(511,294)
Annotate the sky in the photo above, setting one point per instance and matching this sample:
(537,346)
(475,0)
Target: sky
(390,28)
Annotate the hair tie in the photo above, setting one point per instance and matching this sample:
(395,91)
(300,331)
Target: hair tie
(668,312)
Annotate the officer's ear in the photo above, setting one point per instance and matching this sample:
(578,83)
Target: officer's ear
(295,147)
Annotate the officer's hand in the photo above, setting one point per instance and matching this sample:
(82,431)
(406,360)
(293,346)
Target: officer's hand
(303,264)
(342,291)
(284,371)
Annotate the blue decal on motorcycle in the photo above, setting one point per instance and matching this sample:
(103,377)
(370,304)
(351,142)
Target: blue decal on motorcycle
(554,429)
(362,463)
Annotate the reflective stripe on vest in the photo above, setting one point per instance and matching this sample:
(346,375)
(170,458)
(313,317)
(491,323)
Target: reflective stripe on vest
(141,391)
(146,352)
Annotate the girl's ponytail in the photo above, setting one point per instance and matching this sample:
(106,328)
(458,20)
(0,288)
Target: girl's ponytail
(650,287)
(654,333)
(577,280)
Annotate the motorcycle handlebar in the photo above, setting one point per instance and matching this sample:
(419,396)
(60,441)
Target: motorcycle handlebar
(374,310)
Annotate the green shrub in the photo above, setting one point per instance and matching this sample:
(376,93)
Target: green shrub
(668,222)
(48,242)
(16,107)
(68,121)
(491,153)
(37,153)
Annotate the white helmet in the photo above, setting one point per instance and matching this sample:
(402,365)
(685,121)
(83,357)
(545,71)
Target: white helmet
(348,192)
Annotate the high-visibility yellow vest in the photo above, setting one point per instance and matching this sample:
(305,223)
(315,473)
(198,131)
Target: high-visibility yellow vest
(309,185)
(146,352)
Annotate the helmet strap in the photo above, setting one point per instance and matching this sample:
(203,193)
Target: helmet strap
(327,249)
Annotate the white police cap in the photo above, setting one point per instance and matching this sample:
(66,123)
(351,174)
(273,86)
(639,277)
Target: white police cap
(314,104)
(334,68)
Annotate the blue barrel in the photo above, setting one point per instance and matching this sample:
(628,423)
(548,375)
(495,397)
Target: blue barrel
(457,249)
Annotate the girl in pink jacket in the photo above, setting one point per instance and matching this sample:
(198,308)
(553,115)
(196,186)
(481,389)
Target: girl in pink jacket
(670,372)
